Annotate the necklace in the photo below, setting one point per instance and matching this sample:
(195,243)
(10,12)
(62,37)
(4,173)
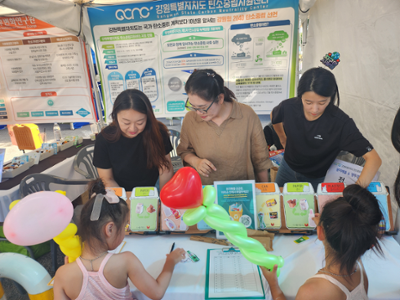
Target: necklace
(340,275)
(92,260)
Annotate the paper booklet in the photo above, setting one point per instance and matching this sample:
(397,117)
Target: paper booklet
(230,276)
(238,199)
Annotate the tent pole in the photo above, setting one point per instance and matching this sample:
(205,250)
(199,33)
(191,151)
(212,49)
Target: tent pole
(94,82)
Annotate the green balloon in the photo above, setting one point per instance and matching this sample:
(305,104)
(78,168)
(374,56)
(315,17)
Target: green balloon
(218,218)
(194,215)
(209,195)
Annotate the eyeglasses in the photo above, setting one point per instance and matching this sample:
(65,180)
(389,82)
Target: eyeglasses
(200,110)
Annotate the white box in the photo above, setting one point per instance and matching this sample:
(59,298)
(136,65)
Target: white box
(15,172)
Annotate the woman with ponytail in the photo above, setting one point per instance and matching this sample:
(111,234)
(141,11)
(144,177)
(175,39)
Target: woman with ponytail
(134,149)
(313,130)
(221,138)
(348,227)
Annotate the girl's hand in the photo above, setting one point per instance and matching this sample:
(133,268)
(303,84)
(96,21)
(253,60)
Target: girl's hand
(316,218)
(176,256)
(269,275)
(205,167)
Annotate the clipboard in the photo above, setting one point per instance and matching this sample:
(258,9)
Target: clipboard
(230,276)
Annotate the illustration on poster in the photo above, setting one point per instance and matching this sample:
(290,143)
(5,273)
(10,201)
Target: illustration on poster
(239,40)
(277,39)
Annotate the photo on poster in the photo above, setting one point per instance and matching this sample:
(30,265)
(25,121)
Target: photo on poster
(298,199)
(268,205)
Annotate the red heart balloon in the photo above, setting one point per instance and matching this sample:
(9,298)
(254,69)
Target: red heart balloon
(184,190)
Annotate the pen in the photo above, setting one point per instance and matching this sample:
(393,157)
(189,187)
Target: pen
(172,247)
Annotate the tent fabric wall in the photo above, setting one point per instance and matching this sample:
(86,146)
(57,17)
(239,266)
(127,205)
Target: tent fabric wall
(62,14)
(366,34)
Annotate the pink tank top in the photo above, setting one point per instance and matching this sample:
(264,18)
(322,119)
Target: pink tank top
(95,285)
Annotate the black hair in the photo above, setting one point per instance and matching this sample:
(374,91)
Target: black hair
(351,226)
(396,145)
(90,231)
(208,85)
(152,133)
(320,81)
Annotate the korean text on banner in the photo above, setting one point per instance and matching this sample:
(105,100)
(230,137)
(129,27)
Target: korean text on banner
(44,76)
(155,46)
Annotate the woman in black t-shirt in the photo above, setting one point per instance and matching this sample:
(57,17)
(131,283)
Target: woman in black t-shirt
(313,131)
(134,149)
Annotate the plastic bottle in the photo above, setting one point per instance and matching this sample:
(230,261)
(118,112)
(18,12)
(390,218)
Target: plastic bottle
(57,132)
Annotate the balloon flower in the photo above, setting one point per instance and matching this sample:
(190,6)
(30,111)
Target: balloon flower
(184,190)
(41,216)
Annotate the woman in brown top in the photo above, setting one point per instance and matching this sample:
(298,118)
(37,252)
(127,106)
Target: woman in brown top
(220,137)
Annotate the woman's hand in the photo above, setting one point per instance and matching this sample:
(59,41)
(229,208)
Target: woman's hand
(204,167)
(176,256)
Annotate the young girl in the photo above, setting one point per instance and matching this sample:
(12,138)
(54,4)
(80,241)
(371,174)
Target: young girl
(348,227)
(134,149)
(97,274)
(313,130)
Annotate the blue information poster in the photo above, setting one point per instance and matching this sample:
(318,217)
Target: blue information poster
(238,199)
(154,46)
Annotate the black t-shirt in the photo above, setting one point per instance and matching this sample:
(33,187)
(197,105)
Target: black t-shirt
(128,160)
(312,146)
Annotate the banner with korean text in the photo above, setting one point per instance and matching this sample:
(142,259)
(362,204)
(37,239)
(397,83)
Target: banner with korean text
(155,46)
(44,76)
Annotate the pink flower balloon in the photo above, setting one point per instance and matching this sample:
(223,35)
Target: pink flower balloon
(37,218)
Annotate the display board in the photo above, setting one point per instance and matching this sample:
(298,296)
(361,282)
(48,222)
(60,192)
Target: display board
(155,46)
(44,76)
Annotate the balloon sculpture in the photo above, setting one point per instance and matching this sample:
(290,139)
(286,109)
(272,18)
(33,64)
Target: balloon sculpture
(70,243)
(184,190)
(41,216)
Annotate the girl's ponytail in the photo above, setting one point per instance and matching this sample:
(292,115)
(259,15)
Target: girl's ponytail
(351,225)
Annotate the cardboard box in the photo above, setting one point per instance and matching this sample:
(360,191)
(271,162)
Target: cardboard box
(144,209)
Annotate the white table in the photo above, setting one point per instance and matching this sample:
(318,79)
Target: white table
(301,262)
(64,169)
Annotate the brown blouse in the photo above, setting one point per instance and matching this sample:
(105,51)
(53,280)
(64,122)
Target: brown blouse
(237,148)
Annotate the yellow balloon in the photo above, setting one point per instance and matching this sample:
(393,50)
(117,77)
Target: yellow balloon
(12,204)
(72,259)
(61,192)
(70,230)
(72,242)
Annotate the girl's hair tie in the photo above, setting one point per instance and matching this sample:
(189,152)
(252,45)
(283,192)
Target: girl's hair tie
(109,196)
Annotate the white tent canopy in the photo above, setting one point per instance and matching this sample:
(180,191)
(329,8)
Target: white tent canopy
(71,15)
